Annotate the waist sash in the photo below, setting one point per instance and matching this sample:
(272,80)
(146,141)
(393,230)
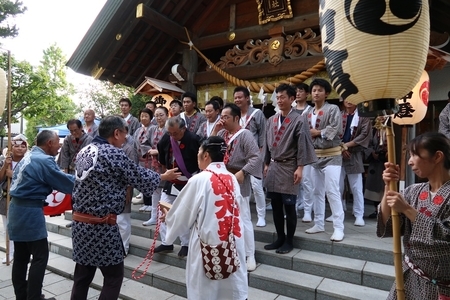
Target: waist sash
(29,202)
(422,274)
(90,219)
(335,151)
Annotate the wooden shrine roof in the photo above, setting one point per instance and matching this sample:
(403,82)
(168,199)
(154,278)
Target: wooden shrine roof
(122,48)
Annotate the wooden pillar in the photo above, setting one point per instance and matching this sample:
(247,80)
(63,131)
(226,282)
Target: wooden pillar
(190,63)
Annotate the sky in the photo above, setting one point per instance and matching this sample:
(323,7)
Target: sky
(45,22)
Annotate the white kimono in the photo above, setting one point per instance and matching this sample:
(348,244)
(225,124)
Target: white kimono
(200,206)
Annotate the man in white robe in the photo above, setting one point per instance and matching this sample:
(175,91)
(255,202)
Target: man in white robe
(201,206)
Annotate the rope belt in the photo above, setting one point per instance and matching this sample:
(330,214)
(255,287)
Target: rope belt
(422,274)
(90,219)
(329,152)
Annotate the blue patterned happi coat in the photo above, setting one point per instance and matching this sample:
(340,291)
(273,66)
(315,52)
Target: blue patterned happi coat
(102,175)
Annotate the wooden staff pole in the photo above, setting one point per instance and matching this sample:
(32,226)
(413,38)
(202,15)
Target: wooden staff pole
(395,219)
(403,163)
(9,151)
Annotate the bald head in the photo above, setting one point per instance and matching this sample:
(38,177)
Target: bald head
(89,116)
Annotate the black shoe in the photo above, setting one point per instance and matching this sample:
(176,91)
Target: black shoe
(286,248)
(373,215)
(183,251)
(275,245)
(43,297)
(163,248)
(69,225)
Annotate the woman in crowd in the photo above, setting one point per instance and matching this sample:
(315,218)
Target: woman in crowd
(424,210)
(212,113)
(18,150)
(154,135)
(210,204)
(142,146)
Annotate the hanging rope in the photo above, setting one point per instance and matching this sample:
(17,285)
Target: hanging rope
(253,86)
(149,257)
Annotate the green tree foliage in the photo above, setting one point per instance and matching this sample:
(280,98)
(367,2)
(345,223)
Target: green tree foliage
(103,97)
(9,9)
(40,94)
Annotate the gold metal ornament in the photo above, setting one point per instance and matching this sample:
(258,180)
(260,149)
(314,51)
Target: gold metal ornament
(275,45)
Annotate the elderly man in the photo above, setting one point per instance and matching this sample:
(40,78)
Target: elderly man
(72,144)
(89,125)
(177,148)
(103,174)
(34,177)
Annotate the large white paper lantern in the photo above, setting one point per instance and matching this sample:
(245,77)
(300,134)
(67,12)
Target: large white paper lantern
(3,90)
(374,50)
(412,108)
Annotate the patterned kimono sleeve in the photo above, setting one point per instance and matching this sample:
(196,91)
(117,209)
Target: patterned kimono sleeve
(145,180)
(305,147)
(385,230)
(334,126)
(432,229)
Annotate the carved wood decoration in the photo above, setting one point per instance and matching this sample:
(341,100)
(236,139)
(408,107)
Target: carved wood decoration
(273,10)
(273,50)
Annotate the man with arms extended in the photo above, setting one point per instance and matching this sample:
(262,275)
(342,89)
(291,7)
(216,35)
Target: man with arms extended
(289,148)
(72,144)
(103,174)
(253,119)
(35,176)
(178,148)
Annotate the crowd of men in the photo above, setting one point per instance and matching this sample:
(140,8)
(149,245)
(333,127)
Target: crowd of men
(297,158)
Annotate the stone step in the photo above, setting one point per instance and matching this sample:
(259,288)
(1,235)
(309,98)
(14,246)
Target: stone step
(363,245)
(356,271)
(351,270)
(130,290)
(167,273)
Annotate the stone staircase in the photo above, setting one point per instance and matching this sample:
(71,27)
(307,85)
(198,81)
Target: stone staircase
(360,267)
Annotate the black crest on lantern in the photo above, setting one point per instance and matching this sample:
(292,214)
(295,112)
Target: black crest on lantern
(341,80)
(366,15)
